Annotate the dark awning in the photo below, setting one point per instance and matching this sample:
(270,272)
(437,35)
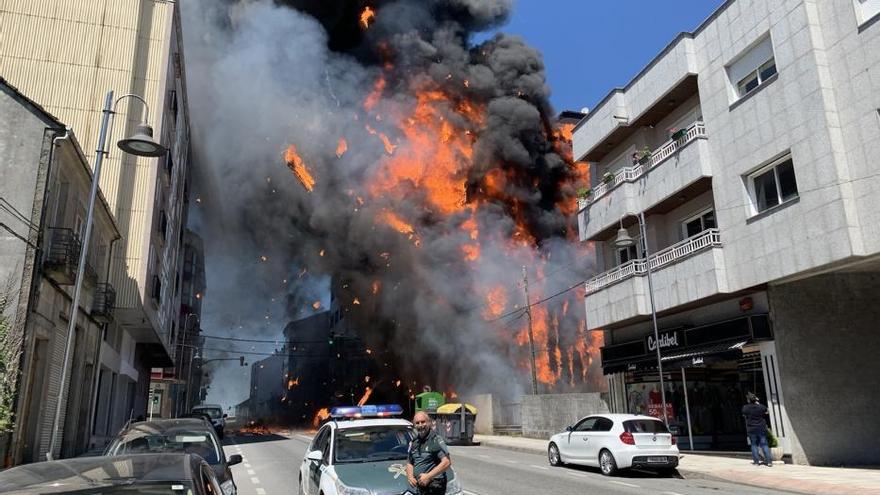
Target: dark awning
(680,358)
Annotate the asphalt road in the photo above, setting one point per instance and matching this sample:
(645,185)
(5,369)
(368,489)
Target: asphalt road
(271,465)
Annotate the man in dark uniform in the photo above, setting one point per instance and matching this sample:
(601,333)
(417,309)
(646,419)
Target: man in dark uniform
(427,459)
(756,427)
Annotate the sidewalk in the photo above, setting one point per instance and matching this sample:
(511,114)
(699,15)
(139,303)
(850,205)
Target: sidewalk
(794,478)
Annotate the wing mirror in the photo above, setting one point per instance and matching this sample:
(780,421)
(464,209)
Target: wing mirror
(315,455)
(569,428)
(233,460)
(225,416)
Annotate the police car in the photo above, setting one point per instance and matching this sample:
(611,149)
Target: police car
(362,451)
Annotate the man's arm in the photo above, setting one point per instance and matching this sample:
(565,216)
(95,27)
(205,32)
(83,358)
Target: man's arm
(445,462)
(409,474)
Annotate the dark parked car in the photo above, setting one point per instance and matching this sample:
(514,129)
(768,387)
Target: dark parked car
(191,436)
(174,474)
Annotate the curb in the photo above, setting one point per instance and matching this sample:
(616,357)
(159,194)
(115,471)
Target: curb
(516,448)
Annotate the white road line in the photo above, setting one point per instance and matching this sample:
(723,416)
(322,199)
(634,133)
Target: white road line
(251,472)
(512,462)
(261,491)
(539,467)
(671,493)
(484,456)
(255,481)
(247,466)
(625,484)
(579,475)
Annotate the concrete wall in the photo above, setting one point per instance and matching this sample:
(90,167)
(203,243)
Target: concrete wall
(544,415)
(484,421)
(827,343)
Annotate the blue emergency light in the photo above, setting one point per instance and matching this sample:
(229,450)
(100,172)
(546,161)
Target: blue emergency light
(355,412)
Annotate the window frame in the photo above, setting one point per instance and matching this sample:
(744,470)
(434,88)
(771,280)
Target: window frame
(757,73)
(576,428)
(863,18)
(774,166)
(700,215)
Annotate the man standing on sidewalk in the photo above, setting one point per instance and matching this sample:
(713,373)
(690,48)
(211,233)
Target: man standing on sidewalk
(428,458)
(756,427)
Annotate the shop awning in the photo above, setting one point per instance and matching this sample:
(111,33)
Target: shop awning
(699,355)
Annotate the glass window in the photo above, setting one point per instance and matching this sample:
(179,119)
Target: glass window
(626,254)
(749,83)
(586,424)
(644,426)
(700,223)
(603,424)
(774,186)
(767,70)
(189,442)
(374,443)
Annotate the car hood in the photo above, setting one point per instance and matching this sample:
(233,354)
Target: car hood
(379,477)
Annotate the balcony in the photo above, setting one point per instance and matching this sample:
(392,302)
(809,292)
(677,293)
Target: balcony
(684,272)
(678,165)
(62,255)
(103,303)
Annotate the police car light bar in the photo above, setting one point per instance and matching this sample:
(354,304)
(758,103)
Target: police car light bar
(355,412)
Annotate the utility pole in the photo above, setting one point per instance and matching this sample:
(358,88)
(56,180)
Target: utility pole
(531,335)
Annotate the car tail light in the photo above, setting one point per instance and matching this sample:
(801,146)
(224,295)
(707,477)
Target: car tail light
(674,441)
(627,438)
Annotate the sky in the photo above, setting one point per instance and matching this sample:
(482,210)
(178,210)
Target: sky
(593,46)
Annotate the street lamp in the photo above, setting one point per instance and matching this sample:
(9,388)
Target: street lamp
(624,240)
(140,144)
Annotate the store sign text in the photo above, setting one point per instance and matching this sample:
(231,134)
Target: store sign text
(667,339)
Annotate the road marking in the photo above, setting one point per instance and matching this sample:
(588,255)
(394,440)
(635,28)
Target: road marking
(261,491)
(512,462)
(251,472)
(671,493)
(625,484)
(255,481)
(484,456)
(539,467)
(247,465)
(579,475)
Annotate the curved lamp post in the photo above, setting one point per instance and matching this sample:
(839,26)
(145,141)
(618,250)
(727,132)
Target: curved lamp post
(140,144)
(624,240)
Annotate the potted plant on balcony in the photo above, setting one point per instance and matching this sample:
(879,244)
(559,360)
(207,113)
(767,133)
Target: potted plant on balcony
(584,193)
(608,178)
(644,155)
(678,134)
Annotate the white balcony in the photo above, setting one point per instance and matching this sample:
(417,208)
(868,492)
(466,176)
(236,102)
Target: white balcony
(673,167)
(684,272)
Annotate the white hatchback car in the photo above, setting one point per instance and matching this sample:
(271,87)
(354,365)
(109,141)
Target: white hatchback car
(615,441)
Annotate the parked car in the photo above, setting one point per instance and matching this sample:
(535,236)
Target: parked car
(129,474)
(362,450)
(192,436)
(615,441)
(216,415)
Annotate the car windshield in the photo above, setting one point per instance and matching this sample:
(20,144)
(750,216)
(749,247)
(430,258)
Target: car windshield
(166,488)
(213,412)
(140,442)
(645,426)
(372,443)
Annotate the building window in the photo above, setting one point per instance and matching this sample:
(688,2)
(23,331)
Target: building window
(773,185)
(753,68)
(699,223)
(866,10)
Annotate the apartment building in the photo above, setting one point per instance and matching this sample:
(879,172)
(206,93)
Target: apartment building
(749,145)
(67,56)
(44,195)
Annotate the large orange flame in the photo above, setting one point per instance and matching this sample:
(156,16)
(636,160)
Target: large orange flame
(367,16)
(296,164)
(321,415)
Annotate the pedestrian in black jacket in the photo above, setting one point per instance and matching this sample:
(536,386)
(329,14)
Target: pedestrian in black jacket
(754,413)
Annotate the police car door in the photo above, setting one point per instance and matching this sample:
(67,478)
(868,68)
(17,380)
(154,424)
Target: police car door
(321,443)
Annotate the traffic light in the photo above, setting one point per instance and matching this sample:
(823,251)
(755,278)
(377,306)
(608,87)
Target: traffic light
(241,360)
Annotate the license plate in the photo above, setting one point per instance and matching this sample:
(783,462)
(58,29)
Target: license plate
(656,459)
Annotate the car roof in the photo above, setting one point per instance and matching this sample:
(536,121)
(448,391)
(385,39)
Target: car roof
(91,472)
(621,417)
(165,425)
(359,423)
(208,406)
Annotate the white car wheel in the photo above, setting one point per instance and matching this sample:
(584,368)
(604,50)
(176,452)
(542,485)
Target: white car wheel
(607,463)
(553,455)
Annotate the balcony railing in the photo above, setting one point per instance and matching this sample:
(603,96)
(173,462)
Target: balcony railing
(630,174)
(62,255)
(103,303)
(706,239)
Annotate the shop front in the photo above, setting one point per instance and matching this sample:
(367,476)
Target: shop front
(707,372)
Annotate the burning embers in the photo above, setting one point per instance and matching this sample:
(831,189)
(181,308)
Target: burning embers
(296,164)
(367,17)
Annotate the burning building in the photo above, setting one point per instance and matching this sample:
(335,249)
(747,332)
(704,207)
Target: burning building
(421,169)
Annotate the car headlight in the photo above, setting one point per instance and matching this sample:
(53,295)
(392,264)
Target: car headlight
(453,487)
(343,489)
(228,487)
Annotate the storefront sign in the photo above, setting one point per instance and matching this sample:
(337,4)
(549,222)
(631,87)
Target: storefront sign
(656,410)
(667,340)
